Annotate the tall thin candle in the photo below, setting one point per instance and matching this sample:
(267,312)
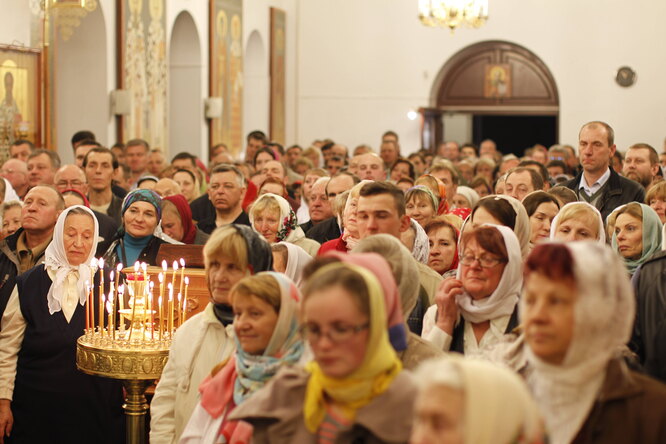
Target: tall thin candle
(151,311)
(170,308)
(110,314)
(182,275)
(187,284)
(100,262)
(160,316)
(87,306)
(102,300)
(159,307)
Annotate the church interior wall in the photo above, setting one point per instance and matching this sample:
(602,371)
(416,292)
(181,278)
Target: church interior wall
(354,69)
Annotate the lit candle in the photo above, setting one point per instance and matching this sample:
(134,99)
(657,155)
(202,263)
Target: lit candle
(173,275)
(121,294)
(110,314)
(87,306)
(180,304)
(151,311)
(182,275)
(100,262)
(187,284)
(160,316)
(133,299)
(159,307)
(102,300)
(170,308)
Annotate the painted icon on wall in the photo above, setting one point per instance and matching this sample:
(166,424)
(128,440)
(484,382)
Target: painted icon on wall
(20,101)
(278,76)
(144,71)
(497,84)
(226,73)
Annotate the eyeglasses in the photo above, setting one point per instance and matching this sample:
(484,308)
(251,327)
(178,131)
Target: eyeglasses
(485,261)
(337,334)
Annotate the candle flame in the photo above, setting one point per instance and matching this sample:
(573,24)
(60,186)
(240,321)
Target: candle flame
(111,276)
(121,288)
(136,266)
(175,265)
(108,306)
(169,286)
(119,267)
(182,262)
(164,265)
(144,266)
(159,300)
(160,277)
(187,280)
(93,263)
(100,262)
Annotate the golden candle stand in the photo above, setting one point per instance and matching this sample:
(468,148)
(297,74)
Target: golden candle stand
(136,365)
(133,346)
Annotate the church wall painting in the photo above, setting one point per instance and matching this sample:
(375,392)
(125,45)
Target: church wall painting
(277,70)
(226,73)
(143,70)
(20,97)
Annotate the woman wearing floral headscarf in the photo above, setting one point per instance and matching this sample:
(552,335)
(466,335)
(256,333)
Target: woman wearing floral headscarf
(355,389)
(231,253)
(136,240)
(266,327)
(577,310)
(272,217)
(51,401)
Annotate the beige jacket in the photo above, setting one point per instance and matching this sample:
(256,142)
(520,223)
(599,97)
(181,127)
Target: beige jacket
(276,412)
(199,344)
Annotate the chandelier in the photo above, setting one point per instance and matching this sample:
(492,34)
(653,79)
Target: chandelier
(453,14)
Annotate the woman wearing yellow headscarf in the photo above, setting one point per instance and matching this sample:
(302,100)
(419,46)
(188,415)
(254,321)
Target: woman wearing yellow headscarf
(355,388)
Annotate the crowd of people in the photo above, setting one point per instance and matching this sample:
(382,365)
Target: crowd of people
(454,295)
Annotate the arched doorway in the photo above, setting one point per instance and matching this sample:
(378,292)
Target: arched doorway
(257,84)
(80,83)
(497,90)
(185,105)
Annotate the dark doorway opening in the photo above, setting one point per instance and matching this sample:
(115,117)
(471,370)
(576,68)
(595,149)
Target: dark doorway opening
(513,134)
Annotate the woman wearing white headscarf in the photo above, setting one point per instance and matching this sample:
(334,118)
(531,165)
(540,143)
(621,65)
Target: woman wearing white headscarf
(416,240)
(272,217)
(44,318)
(578,221)
(473,312)
(473,402)
(577,311)
(290,259)
(465,197)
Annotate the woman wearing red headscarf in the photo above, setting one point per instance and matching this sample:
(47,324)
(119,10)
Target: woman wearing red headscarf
(177,221)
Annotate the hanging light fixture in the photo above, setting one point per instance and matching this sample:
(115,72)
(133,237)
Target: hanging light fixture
(453,14)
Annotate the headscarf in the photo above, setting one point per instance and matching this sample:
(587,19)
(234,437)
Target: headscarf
(601,238)
(380,268)
(402,263)
(143,195)
(297,259)
(86,203)
(603,318)
(349,236)
(498,407)
(470,194)
(434,199)
(185,213)
(462,213)
(284,347)
(55,259)
(379,368)
(421,248)
(503,300)
(244,373)
(651,236)
(10,193)
(663,237)
(522,229)
(259,255)
(288,229)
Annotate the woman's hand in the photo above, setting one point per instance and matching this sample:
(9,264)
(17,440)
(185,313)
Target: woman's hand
(447,309)
(6,419)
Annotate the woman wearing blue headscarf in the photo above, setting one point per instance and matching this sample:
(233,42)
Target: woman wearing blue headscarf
(136,239)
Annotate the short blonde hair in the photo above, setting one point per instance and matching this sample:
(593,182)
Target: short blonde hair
(262,285)
(656,191)
(228,242)
(579,211)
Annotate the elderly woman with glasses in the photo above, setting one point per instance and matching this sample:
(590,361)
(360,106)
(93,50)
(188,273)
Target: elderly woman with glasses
(473,311)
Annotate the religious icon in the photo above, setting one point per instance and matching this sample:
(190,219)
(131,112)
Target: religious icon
(497,84)
(20,104)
